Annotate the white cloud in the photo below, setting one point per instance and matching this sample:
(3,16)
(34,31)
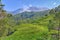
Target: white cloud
(30,5)
(25,7)
(54,3)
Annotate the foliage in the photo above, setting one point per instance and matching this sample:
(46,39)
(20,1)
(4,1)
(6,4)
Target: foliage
(30,26)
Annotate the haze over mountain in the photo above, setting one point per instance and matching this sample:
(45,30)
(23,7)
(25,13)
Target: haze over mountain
(30,9)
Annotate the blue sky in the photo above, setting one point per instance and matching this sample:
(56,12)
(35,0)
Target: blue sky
(11,5)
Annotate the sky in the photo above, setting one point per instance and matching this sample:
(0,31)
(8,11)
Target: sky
(11,5)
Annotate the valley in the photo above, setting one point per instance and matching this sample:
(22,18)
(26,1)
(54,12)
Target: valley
(31,24)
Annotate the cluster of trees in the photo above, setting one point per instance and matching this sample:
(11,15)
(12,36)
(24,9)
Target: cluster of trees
(43,28)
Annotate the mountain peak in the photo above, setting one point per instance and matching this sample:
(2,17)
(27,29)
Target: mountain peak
(30,9)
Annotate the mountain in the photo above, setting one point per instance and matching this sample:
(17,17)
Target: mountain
(57,9)
(33,13)
(30,15)
(36,9)
(46,27)
(29,9)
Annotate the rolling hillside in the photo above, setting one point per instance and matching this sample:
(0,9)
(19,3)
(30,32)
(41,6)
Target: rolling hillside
(44,25)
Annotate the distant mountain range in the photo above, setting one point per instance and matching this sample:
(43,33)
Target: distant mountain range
(32,13)
(29,9)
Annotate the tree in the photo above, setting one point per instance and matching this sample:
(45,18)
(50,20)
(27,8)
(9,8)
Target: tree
(57,17)
(50,25)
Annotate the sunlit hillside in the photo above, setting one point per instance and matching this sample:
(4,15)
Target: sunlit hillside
(32,25)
